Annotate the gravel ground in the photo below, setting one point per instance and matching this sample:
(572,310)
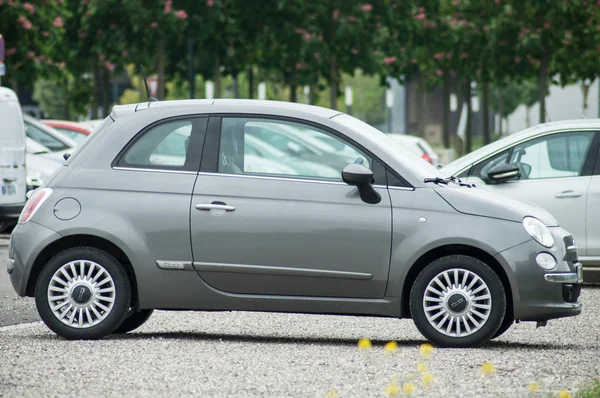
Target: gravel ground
(256,354)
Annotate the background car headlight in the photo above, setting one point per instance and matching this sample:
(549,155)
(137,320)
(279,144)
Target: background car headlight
(538,231)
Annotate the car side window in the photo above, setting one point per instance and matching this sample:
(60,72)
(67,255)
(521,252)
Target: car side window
(44,138)
(165,145)
(281,148)
(553,156)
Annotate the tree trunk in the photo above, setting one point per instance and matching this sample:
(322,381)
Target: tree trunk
(293,92)
(217,77)
(96,89)
(585,89)
(160,60)
(500,110)
(236,88)
(543,86)
(468,129)
(446,111)
(485,106)
(333,82)
(250,82)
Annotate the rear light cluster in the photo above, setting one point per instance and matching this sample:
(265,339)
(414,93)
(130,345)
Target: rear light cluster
(35,202)
(427,158)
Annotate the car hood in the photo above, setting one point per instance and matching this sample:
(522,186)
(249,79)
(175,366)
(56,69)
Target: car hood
(479,202)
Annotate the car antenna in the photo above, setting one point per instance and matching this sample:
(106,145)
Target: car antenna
(148,94)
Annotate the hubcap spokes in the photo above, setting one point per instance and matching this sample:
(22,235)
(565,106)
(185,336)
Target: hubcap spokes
(81,294)
(457,302)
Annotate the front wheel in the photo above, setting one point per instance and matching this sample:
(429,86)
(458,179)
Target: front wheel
(458,301)
(83,293)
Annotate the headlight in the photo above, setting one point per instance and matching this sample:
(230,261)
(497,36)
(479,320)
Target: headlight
(538,231)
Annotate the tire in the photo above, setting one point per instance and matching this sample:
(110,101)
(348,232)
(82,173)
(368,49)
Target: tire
(96,302)
(506,324)
(134,321)
(450,320)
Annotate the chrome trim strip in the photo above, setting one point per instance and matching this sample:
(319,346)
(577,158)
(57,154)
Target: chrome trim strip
(155,170)
(175,265)
(562,278)
(397,188)
(272,178)
(572,248)
(280,271)
(566,277)
(295,180)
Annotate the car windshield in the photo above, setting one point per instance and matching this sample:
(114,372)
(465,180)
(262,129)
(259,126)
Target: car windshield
(410,160)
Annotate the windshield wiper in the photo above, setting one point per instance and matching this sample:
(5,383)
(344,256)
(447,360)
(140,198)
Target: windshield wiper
(445,181)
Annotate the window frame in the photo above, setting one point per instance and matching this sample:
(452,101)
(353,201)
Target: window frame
(210,154)
(590,165)
(192,162)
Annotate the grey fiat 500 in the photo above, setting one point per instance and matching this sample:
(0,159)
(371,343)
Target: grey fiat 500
(166,206)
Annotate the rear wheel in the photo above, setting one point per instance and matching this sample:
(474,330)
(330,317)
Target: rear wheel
(134,321)
(83,293)
(458,301)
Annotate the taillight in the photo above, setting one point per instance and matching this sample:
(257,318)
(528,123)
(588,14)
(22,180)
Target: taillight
(427,158)
(35,202)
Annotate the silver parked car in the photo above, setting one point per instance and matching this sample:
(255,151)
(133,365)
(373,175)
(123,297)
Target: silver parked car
(555,166)
(118,232)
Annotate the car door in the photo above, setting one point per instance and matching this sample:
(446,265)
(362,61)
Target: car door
(285,231)
(593,212)
(153,178)
(555,173)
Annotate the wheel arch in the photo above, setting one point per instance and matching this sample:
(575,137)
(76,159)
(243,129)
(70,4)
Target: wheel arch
(70,241)
(447,250)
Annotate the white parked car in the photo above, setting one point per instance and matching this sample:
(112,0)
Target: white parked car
(553,165)
(41,164)
(57,142)
(419,146)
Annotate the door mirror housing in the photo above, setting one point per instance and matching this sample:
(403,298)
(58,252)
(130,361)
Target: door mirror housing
(360,176)
(503,172)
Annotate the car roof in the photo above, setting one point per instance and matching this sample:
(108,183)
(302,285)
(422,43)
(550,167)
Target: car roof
(225,105)
(66,124)
(576,125)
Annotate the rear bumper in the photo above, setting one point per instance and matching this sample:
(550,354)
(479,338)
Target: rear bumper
(11,211)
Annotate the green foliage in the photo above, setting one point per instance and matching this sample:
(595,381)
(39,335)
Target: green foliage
(51,99)
(592,390)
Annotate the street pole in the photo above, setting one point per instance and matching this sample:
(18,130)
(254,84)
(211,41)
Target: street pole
(389,103)
(348,100)
(192,76)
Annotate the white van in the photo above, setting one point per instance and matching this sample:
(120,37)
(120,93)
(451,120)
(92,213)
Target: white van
(13,173)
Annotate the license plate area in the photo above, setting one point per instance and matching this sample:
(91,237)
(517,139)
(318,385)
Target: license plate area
(8,189)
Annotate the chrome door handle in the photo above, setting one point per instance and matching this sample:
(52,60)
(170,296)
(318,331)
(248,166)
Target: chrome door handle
(568,194)
(215,206)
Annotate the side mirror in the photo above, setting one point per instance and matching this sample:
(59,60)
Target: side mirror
(360,176)
(503,172)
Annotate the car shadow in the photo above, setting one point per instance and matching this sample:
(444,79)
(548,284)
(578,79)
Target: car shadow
(328,341)
(249,338)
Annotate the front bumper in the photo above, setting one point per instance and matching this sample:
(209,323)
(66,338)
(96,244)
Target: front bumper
(539,294)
